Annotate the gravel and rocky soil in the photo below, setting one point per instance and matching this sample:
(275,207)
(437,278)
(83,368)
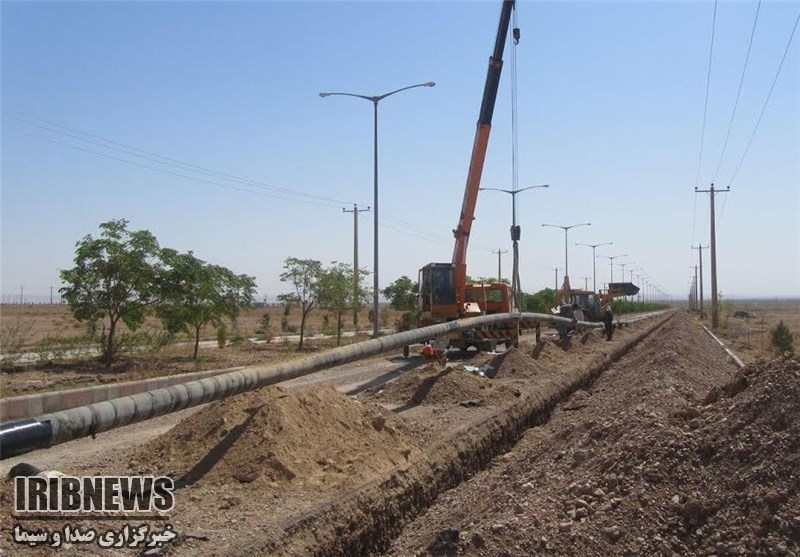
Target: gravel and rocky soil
(652,444)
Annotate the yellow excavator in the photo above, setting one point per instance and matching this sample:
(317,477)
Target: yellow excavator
(593,305)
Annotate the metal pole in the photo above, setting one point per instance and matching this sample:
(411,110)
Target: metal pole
(714,288)
(375,327)
(356,302)
(499,253)
(714,307)
(375,100)
(700,255)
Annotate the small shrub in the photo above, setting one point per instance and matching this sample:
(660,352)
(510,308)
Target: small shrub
(326,321)
(13,337)
(236,338)
(144,341)
(265,321)
(284,324)
(782,338)
(222,335)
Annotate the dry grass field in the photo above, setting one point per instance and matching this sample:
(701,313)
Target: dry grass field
(749,337)
(33,328)
(40,324)
(42,321)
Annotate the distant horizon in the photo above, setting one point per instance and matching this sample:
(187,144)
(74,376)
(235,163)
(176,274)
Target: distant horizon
(44,299)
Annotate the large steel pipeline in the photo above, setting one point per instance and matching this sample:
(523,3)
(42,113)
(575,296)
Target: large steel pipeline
(21,436)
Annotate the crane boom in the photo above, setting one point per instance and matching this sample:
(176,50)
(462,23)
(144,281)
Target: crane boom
(478,156)
(443,290)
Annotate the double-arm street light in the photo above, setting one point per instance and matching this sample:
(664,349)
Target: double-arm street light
(375,100)
(611,259)
(566,244)
(516,233)
(515,236)
(594,261)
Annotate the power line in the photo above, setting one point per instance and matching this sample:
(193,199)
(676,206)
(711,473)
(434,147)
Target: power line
(165,171)
(738,93)
(766,102)
(164,160)
(708,87)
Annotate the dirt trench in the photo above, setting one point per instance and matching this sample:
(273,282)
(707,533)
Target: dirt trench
(315,472)
(365,520)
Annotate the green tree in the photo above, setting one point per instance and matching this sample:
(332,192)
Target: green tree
(116,278)
(782,338)
(303,275)
(336,293)
(197,293)
(402,294)
(540,302)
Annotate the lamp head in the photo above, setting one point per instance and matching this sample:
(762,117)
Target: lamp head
(324,94)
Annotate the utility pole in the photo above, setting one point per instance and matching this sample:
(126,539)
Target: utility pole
(556,270)
(355,210)
(700,251)
(51,295)
(714,291)
(586,283)
(499,253)
(21,295)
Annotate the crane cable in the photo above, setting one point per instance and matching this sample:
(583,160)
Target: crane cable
(515,284)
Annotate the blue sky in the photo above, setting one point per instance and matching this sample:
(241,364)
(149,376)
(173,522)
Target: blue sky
(610,113)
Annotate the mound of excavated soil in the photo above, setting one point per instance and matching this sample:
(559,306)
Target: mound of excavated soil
(433,385)
(643,462)
(720,479)
(314,438)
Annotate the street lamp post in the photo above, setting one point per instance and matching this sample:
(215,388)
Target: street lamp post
(594,261)
(623,265)
(375,100)
(611,260)
(515,237)
(566,231)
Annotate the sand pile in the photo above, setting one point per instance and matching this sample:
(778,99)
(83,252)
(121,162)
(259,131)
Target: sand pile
(452,385)
(314,438)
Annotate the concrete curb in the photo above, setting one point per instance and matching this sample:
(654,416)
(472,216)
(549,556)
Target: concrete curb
(735,358)
(27,406)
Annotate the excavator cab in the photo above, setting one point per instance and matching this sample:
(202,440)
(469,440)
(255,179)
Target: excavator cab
(438,299)
(437,291)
